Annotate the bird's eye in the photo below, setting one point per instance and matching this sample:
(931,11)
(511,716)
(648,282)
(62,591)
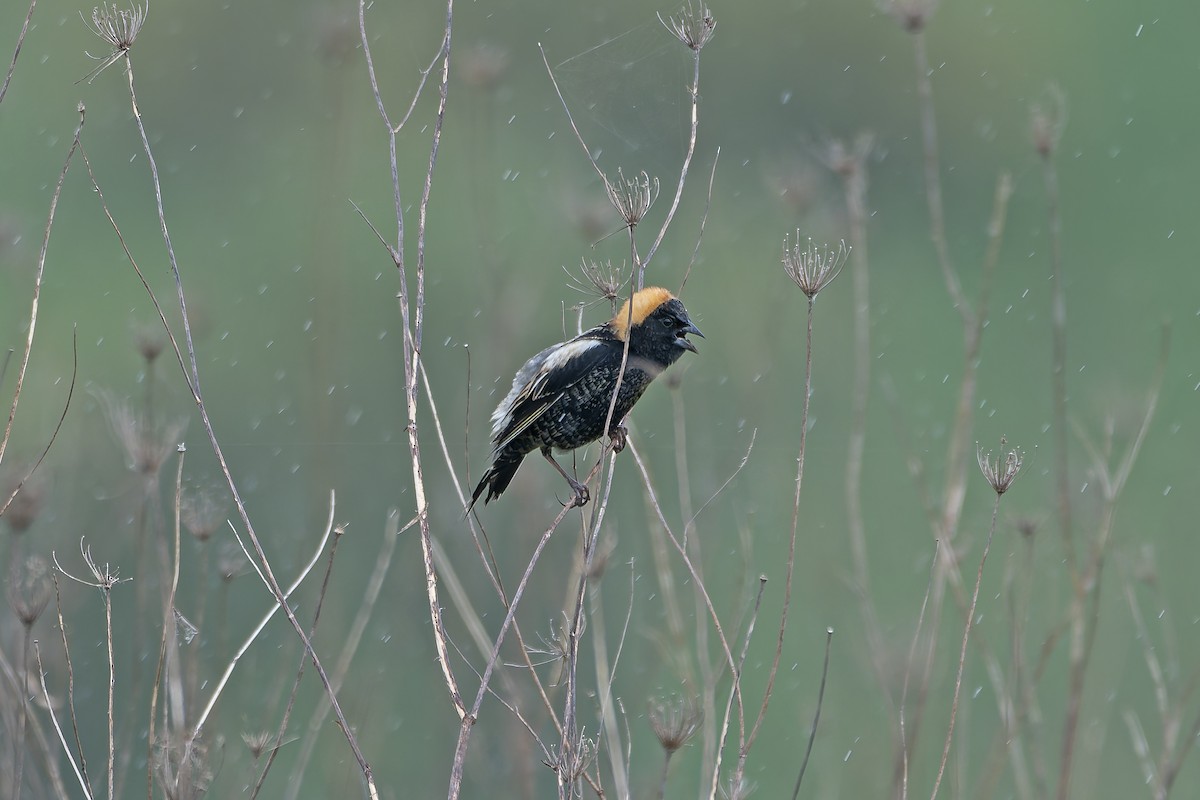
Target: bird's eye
(668,322)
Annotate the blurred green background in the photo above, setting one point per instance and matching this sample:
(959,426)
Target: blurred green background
(264,130)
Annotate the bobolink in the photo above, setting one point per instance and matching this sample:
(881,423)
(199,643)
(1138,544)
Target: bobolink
(560,398)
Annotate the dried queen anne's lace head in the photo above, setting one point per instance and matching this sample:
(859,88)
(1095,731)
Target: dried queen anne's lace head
(811,267)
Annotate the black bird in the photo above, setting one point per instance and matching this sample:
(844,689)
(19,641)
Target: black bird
(560,398)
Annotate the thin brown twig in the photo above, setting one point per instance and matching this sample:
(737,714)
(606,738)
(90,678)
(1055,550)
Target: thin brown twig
(339,531)
(812,734)
(58,427)
(734,691)
(193,371)
(62,629)
(241,651)
(12,65)
(912,651)
(366,608)
(468,720)
(37,285)
(962,655)
(414,328)
(712,177)
(83,784)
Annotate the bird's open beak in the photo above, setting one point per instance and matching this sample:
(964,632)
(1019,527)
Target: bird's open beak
(682,339)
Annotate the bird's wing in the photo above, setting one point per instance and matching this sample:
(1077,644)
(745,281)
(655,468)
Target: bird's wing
(545,378)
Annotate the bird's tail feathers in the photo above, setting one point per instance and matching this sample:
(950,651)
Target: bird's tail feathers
(496,479)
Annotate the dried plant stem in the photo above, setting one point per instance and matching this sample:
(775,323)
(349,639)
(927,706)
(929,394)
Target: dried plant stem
(1058,364)
(1084,613)
(912,651)
(791,557)
(12,65)
(933,178)
(192,371)
(468,720)
(734,691)
(312,631)
(83,784)
(962,655)
(413,318)
(366,607)
(37,287)
(812,734)
(694,99)
(168,631)
(253,635)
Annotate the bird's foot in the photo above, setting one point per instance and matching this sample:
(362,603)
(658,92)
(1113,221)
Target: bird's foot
(618,436)
(582,495)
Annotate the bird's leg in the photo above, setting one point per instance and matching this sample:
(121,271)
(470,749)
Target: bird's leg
(618,436)
(582,495)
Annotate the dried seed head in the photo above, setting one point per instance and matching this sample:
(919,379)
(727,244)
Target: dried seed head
(231,561)
(1047,120)
(118,27)
(674,721)
(813,268)
(202,512)
(29,589)
(573,761)
(632,198)
(1001,471)
(913,15)
(737,788)
(693,25)
(257,742)
(601,280)
(146,442)
(149,340)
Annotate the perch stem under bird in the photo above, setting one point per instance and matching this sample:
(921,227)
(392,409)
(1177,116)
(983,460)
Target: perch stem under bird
(560,398)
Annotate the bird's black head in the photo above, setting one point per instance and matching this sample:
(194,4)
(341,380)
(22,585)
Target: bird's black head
(658,326)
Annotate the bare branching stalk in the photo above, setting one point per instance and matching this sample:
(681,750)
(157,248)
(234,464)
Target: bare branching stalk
(103,578)
(119,29)
(412,309)
(1000,474)
(812,269)
(1083,615)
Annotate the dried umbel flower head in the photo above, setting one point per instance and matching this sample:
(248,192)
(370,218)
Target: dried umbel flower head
(146,442)
(257,742)
(118,26)
(149,340)
(811,267)
(602,280)
(674,721)
(231,561)
(1002,470)
(632,197)
(29,589)
(1047,120)
(693,25)
(913,15)
(203,511)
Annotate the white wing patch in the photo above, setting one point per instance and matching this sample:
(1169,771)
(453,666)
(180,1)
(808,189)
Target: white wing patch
(531,377)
